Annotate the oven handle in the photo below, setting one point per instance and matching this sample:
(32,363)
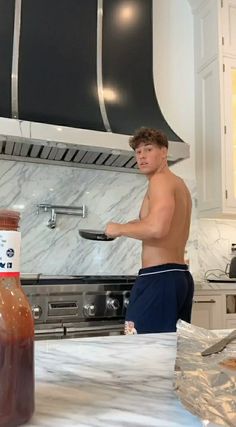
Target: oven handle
(52,331)
(109,328)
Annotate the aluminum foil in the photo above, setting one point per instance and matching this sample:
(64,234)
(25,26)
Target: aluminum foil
(205,388)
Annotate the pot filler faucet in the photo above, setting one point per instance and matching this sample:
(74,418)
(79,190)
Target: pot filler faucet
(55,210)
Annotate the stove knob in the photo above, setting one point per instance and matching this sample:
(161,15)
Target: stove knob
(113,303)
(89,310)
(126,302)
(36,311)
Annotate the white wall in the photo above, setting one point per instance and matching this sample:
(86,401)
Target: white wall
(173,65)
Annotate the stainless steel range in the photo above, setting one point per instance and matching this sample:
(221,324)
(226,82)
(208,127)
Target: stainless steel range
(76,306)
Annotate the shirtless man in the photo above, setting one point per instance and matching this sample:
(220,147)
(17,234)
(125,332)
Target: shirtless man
(163,291)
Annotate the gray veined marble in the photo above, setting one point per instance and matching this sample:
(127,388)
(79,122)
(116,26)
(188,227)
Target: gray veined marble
(215,239)
(122,381)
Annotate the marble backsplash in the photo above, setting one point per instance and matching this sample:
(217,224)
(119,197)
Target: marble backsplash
(108,196)
(214,245)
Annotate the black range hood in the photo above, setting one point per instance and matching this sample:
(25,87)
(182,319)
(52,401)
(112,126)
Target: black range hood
(78,80)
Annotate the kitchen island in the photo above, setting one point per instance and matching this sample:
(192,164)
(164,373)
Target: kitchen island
(108,381)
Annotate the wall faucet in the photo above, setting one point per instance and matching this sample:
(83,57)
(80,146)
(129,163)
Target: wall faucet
(62,210)
(52,221)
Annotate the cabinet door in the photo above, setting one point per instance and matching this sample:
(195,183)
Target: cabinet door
(206,42)
(207,312)
(229,26)
(208,139)
(230,133)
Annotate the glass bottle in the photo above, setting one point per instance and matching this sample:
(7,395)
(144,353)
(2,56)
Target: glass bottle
(16,330)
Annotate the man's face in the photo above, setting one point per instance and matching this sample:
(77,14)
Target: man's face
(150,158)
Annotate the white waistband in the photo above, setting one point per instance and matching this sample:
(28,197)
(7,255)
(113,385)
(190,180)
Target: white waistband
(163,271)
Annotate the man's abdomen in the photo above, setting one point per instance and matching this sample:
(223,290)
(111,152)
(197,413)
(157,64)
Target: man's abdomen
(153,255)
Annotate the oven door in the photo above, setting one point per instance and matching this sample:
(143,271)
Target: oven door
(94,329)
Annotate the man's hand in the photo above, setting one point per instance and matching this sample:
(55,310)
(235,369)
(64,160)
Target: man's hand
(113,229)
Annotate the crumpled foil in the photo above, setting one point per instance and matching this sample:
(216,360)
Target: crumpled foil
(204,387)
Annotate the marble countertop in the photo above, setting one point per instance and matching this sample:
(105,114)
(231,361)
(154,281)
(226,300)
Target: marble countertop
(214,286)
(108,381)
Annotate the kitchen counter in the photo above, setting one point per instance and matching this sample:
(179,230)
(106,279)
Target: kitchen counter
(108,381)
(214,286)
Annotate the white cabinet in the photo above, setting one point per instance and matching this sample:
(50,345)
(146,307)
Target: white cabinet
(215,94)
(214,309)
(208,139)
(228,21)
(207,311)
(230,309)
(230,132)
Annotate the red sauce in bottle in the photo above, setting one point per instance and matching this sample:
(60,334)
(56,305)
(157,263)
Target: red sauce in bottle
(16,331)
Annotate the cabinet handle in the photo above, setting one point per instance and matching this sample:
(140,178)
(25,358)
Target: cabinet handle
(210,301)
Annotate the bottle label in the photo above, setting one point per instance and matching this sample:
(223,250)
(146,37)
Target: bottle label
(10,253)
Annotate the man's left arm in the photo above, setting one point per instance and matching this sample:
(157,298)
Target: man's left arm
(157,223)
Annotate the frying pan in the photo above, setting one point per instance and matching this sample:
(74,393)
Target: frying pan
(95,235)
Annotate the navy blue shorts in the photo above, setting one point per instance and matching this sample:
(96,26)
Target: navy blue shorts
(160,296)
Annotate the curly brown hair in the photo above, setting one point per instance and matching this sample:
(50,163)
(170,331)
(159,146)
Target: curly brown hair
(148,136)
